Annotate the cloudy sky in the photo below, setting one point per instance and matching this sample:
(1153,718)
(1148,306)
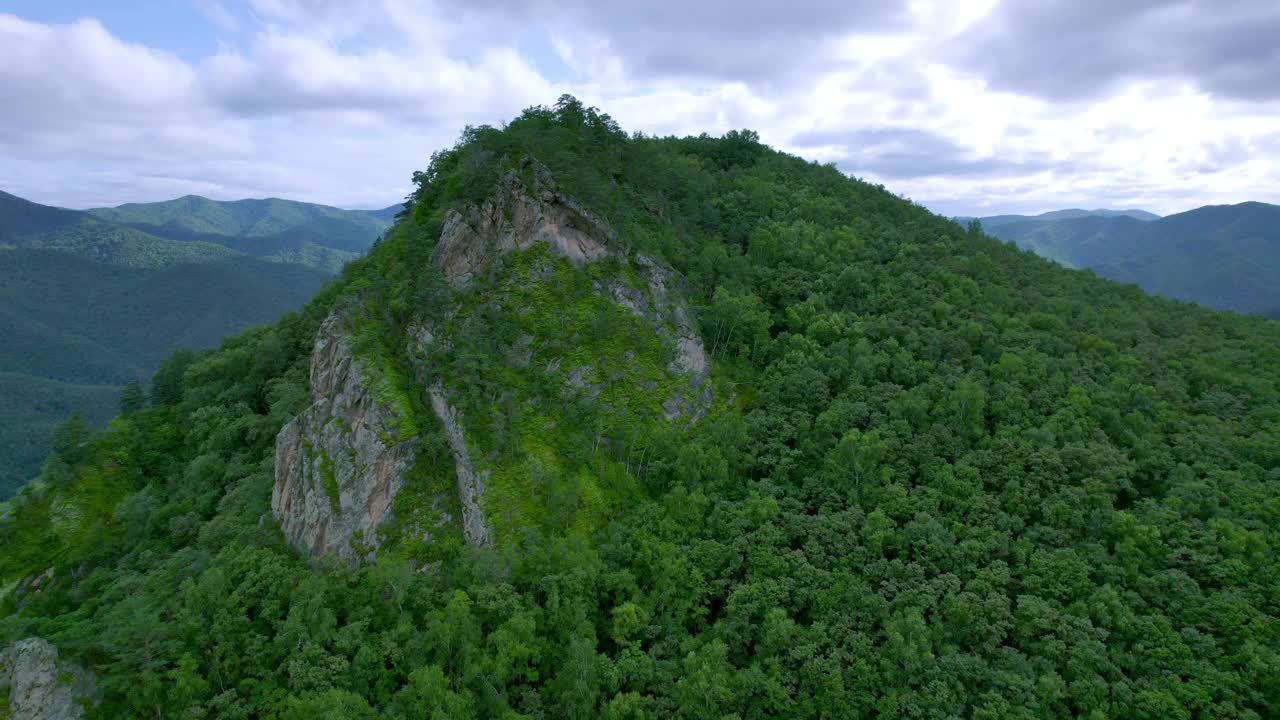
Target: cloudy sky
(966,106)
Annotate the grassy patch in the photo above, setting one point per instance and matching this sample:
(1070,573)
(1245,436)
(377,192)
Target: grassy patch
(329,481)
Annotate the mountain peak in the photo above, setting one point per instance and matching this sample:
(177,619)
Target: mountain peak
(512,254)
(927,460)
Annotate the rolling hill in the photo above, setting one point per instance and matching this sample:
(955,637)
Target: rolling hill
(1225,257)
(994,221)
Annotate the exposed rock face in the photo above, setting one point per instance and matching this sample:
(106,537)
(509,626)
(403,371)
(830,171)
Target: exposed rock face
(514,219)
(42,687)
(31,586)
(338,464)
(664,310)
(471,484)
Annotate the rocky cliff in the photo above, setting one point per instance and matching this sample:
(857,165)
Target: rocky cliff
(40,686)
(517,218)
(342,462)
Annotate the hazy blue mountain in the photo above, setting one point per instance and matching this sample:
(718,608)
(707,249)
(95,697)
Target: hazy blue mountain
(1068,214)
(1073,213)
(1223,256)
(386,214)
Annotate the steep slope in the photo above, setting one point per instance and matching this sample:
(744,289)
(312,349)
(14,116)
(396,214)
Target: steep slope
(1224,257)
(31,408)
(317,236)
(936,477)
(580,322)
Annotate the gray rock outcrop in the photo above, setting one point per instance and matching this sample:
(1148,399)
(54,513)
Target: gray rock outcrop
(517,219)
(40,686)
(339,464)
(471,483)
(663,309)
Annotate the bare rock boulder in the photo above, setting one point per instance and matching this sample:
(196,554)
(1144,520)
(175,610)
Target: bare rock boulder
(41,686)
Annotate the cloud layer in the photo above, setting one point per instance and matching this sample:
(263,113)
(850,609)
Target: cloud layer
(1075,50)
(969,107)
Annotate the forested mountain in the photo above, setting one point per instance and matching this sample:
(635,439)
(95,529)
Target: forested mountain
(1225,256)
(86,306)
(628,427)
(318,236)
(31,226)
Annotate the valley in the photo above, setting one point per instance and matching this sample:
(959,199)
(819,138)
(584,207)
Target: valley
(89,303)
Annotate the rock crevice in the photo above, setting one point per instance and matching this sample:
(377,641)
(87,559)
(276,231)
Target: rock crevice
(471,483)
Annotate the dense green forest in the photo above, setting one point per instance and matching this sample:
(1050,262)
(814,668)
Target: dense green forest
(942,477)
(1222,256)
(88,304)
(76,331)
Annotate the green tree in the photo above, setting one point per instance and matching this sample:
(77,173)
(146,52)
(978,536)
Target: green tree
(71,438)
(132,398)
(166,385)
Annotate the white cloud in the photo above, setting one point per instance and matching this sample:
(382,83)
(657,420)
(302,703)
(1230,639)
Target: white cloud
(69,74)
(338,103)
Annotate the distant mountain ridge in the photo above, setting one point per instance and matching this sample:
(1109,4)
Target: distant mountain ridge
(319,236)
(28,225)
(386,214)
(991,221)
(1221,256)
(91,300)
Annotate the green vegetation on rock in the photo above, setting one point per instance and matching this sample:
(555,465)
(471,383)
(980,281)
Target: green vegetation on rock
(588,379)
(942,477)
